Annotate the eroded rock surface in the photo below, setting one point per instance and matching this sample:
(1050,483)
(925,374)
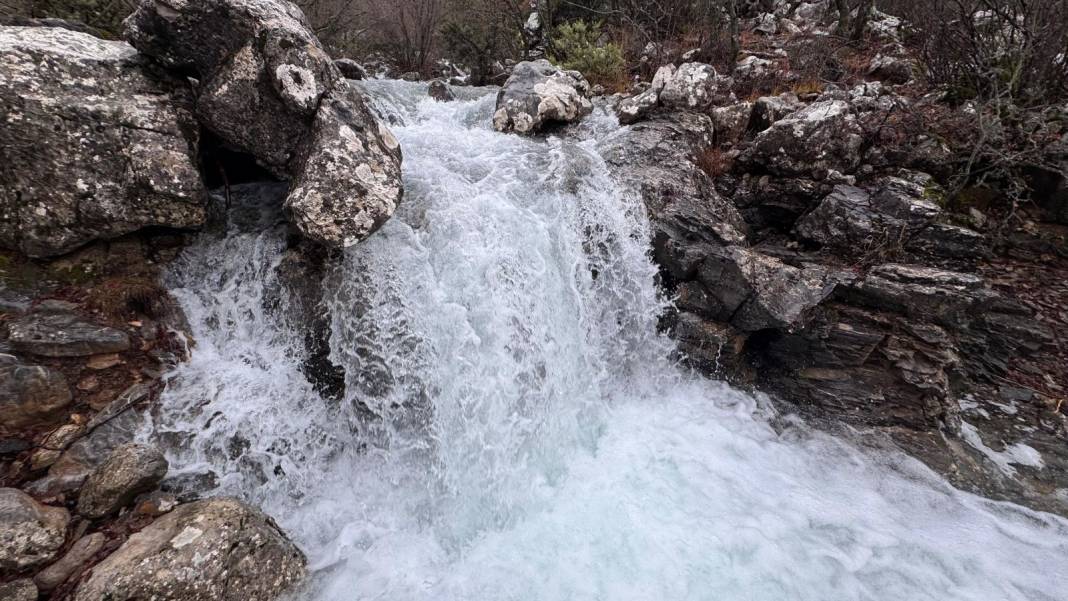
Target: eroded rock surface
(211,550)
(94,143)
(30,394)
(54,334)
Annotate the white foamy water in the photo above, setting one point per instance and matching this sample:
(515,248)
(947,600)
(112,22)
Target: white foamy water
(514,428)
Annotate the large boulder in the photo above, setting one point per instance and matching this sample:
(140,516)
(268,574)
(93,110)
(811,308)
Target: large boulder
(346,144)
(31,534)
(821,137)
(212,550)
(30,394)
(695,86)
(538,95)
(131,469)
(853,219)
(95,143)
(267,88)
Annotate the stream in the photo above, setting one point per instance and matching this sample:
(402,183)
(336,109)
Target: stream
(514,426)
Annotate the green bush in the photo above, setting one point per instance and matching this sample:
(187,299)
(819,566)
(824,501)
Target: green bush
(576,45)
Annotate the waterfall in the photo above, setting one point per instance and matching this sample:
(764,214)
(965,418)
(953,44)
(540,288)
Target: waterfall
(513,425)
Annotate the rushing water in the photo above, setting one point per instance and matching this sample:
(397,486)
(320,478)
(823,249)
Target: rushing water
(514,428)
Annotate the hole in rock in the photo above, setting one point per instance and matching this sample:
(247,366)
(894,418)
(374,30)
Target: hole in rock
(222,165)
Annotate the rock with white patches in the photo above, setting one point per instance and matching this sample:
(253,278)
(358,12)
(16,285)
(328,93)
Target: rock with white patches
(538,95)
(695,86)
(95,143)
(211,550)
(269,89)
(350,181)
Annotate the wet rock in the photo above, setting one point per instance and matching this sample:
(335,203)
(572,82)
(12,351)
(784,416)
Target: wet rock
(440,91)
(18,590)
(350,69)
(30,395)
(538,95)
(131,469)
(95,144)
(64,335)
(350,183)
(820,137)
(212,550)
(31,534)
(754,292)
(80,553)
(695,86)
(853,220)
(656,158)
(710,346)
(268,88)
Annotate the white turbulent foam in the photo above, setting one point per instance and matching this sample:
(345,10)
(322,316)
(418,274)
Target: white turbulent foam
(532,439)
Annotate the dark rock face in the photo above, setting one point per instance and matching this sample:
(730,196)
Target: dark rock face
(131,469)
(267,88)
(64,335)
(31,534)
(440,91)
(94,145)
(537,95)
(30,394)
(240,554)
(350,69)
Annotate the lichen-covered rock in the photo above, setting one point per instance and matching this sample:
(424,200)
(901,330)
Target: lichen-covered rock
(268,88)
(52,334)
(131,469)
(537,95)
(30,394)
(820,137)
(769,109)
(350,182)
(212,550)
(637,107)
(695,86)
(31,534)
(94,143)
(260,67)
(731,122)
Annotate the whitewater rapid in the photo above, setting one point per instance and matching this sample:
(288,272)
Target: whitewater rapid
(514,427)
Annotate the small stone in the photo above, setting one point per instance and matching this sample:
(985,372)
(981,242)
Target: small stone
(88,384)
(130,469)
(102,362)
(440,91)
(54,445)
(80,553)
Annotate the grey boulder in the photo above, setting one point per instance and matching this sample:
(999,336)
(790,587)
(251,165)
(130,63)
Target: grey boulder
(211,550)
(131,469)
(95,144)
(537,95)
(30,394)
(31,534)
(823,136)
